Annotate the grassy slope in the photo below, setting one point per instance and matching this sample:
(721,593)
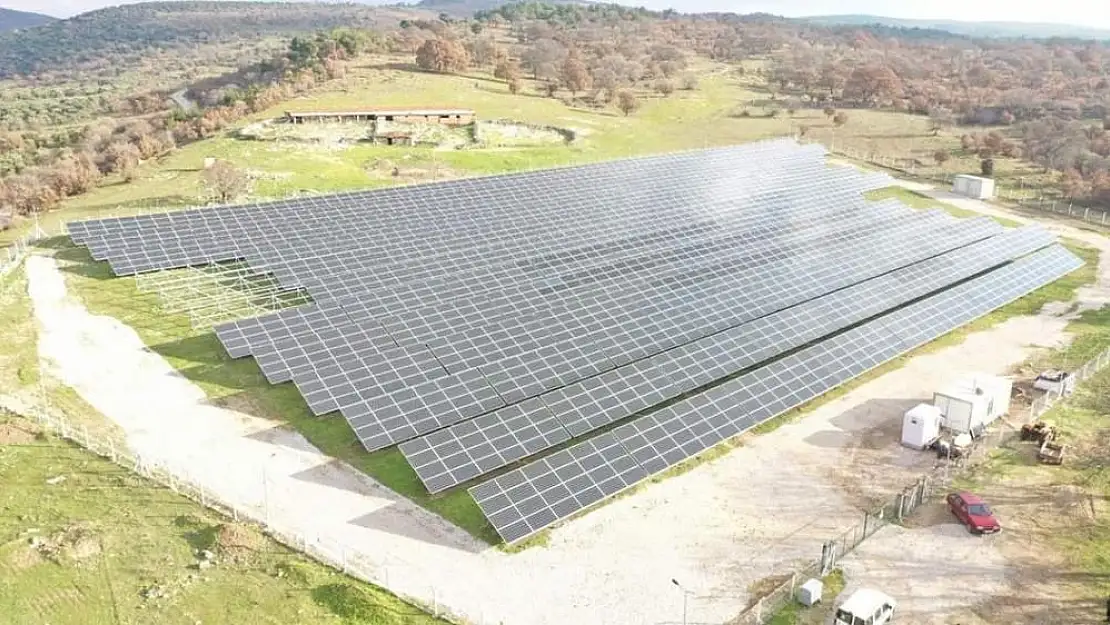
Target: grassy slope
(685,120)
(146,534)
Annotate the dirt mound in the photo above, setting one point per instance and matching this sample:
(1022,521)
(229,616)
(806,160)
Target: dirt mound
(17,434)
(75,543)
(238,543)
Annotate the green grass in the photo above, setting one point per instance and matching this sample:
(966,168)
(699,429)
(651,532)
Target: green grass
(921,201)
(138,535)
(795,613)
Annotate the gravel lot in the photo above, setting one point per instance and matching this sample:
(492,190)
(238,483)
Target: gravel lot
(718,529)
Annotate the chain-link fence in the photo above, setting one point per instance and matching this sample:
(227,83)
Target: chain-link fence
(925,489)
(12,256)
(1005,189)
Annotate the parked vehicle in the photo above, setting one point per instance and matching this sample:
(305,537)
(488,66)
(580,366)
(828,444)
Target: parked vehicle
(974,513)
(866,607)
(1051,453)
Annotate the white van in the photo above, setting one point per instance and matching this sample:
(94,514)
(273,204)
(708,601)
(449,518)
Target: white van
(866,607)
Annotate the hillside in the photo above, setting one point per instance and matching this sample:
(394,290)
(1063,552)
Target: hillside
(972,29)
(466,8)
(125,32)
(11,20)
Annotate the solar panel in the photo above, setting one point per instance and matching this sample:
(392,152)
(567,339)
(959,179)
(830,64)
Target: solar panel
(683,369)
(525,501)
(481,322)
(671,435)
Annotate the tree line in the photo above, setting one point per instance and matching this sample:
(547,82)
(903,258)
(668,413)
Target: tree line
(117,149)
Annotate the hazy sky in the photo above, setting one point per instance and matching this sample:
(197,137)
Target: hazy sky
(1093,13)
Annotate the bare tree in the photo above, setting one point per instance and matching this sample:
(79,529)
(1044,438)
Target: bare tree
(627,102)
(225,181)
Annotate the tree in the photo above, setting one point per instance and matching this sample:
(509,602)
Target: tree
(507,70)
(689,81)
(122,158)
(664,87)
(442,55)
(225,181)
(941,157)
(872,84)
(550,88)
(476,28)
(627,102)
(543,57)
(840,119)
(575,76)
(830,112)
(987,167)
(514,86)
(939,119)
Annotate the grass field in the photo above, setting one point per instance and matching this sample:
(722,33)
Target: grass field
(105,546)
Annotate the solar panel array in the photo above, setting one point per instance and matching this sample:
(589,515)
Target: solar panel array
(669,302)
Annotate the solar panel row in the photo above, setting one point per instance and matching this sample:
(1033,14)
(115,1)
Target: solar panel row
(441,462)
(526,500)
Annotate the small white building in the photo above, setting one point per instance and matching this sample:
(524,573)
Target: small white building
(921,426)
(972,401)
(973,186)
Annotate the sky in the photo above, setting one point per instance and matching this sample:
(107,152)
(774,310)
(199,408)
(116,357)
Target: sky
(1091,13)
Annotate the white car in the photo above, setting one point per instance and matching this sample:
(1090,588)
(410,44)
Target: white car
(866,607)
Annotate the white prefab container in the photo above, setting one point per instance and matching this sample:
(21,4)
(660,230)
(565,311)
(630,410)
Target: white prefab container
(921,426)
(974,400)
(973,186)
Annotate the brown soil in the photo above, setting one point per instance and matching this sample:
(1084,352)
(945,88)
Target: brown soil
(16,434)
(238,543)
(764,587)
(1044,588)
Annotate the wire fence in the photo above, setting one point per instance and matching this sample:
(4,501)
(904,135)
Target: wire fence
(330,550)
(925,489)
(12,256)
(1005,189)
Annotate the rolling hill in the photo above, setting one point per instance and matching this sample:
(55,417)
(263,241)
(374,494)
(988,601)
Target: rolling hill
(12,20)
(972,29)
(130,30)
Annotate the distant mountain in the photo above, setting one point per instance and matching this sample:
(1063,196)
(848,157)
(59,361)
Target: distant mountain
(972,29)
(11,20)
